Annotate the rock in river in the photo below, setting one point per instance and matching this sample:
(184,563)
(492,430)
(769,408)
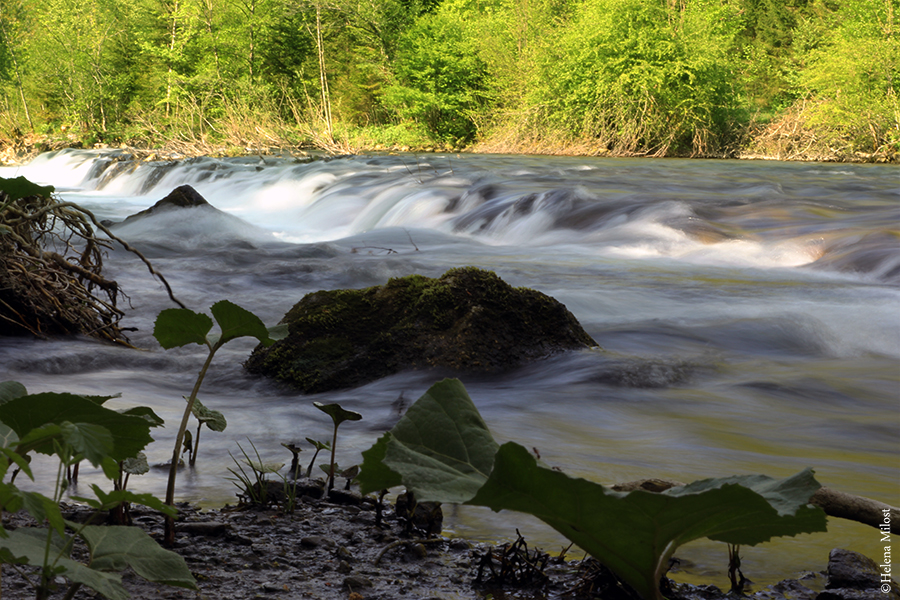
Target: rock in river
(467,320)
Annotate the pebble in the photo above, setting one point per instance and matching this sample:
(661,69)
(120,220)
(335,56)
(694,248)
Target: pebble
(354,582)
(316,541)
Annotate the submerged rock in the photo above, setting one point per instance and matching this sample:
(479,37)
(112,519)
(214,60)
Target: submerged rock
(467,320)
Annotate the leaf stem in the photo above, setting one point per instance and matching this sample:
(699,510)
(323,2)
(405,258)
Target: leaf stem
(179,439)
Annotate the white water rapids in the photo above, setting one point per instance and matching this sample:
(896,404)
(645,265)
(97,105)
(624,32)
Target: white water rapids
(748,314)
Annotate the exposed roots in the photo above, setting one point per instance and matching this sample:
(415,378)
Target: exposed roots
(51,271)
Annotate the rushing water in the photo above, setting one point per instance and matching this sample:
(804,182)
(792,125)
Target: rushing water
(748,314)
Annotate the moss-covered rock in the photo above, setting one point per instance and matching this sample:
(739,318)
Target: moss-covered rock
(467,320)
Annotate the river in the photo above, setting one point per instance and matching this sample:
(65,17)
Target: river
(748,314)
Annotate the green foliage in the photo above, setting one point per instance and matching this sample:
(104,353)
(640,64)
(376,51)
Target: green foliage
(441,81)
(73,428)
(213,419)
(253,489)
(442,451)
(319,446)
(850,78)
(441,443)
(641,78)
(20,187)
(632,76)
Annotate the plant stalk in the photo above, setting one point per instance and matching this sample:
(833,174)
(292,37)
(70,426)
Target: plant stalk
(169,539)
(331,471)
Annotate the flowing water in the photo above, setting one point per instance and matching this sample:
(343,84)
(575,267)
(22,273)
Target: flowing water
(748,314)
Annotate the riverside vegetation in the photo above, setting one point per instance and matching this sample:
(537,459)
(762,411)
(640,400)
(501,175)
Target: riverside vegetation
(809,79)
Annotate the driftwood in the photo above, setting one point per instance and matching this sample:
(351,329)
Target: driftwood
(51,270)
(835,504)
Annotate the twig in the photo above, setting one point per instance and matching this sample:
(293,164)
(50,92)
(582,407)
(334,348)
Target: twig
(397,543)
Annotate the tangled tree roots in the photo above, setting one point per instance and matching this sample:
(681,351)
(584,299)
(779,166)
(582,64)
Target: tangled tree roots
(51,263)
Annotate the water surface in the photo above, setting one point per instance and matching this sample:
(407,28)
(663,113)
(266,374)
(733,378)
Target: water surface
(746,313)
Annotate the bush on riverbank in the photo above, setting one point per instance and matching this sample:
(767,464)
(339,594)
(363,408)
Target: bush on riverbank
(804,79)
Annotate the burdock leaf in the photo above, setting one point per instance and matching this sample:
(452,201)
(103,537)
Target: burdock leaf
(635,533)
(136,465)
(10,390)
(441,449)
(31,414)
(176,327)
(116,548)
(20,187)
(375,475)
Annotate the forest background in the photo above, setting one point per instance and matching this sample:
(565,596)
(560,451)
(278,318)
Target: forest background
(809,79)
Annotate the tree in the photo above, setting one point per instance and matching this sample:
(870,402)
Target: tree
(9,62)
(79,59)
(634,76)
(851,79)
(440,79)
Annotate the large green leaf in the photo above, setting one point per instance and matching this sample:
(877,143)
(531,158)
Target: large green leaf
(116,548)
(22,188)
(374,475)
(129,434)
(441,448)
(27,544)
(10,390)
(136,465)
(635,533)
(145,412)
(38,506)
(94,441)
(8,436)
(176,327)
(236,322)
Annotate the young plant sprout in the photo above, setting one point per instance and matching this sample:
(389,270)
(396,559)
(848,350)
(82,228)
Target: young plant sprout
(177,327)
(319,446)
(295,460)
(338,414)
(213,419)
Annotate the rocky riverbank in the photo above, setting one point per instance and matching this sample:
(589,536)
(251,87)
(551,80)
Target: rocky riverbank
(331,550)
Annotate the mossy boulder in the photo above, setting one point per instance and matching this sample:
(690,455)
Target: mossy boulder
(467,320)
